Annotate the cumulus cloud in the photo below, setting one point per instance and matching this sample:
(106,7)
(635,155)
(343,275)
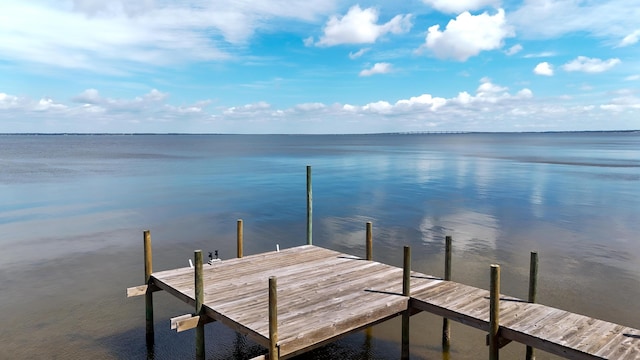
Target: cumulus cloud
(543,68)
(458,6)
(468,35)
(590,65)
(360,26)
(630,39)
(378,68)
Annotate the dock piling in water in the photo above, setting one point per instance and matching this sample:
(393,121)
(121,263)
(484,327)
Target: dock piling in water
(274,353)
(494,313)
(240,235)
(446,328)
(199,297)
(309,208)
(406,291)
(533,289)
(148,296)
(369,241)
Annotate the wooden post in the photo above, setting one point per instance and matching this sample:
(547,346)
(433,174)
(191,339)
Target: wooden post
(309,207)
(240,238)
(199,297)
(533,289)
(274,353)
(446,328)
(369,242)
(494,313)
(406,291)
(148,296)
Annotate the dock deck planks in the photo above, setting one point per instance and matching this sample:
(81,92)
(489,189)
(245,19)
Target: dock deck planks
(324,294)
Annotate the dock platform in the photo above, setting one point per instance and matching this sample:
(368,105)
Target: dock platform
(323,295)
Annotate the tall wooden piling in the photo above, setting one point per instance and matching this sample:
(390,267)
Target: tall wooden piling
(446,328)
(148,296)
(406,291)
(240,235)
(369,241)
(533,289)
(274,354)
(494,313)
(199,297)
(309,207)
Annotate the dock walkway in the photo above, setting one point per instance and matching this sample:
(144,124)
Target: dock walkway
(323,294)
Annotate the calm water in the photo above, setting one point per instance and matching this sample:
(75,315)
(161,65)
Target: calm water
(73,209)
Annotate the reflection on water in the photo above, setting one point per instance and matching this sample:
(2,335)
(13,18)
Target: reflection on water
(74,208)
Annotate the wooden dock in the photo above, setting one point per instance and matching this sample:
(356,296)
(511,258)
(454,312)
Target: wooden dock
(323,295)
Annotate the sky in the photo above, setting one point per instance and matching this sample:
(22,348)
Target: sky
(318,66)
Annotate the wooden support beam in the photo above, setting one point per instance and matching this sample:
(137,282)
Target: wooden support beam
(148,297)
(137,290)
(309,208)
(369,241)
(494,313)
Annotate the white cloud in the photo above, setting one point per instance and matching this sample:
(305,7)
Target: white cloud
(360,26)
(378,68)
(590,65)
(632,77)
(458,6)
(468,35)
(543,68)
(357,54)
(540,55)
(514,50)
(630,39)
(542,19)
(117,37)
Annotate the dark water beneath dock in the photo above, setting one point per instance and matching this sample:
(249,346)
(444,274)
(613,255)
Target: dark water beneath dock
(73,209)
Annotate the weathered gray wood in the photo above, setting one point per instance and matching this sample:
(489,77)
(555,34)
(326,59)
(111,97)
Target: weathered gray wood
(494,313)
(323,295)
(148,297)
(309,208)
(240,238)
(199,298)
(137,290)
(369,241)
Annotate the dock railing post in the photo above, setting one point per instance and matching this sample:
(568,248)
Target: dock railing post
(369,241)
(446,328)
(406,291)
(533,289)
(199,297)
(148,296)
(274,353)
(309,207)
(494,313)
(240,235)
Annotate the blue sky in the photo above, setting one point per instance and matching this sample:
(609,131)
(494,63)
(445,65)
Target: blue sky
(318,66)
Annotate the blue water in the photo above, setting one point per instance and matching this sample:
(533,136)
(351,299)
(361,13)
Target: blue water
(74,208)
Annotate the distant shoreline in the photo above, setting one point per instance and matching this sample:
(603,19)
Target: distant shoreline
(359,134)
